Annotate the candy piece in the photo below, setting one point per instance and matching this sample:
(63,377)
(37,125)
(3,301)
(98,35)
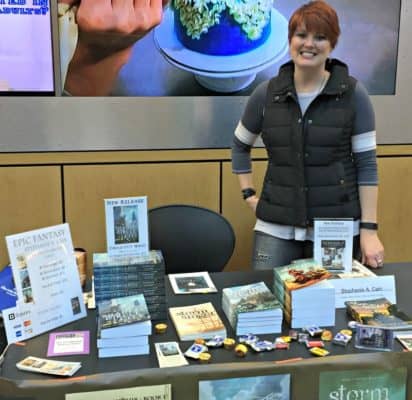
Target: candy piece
(314,343)
(200,341)
(281,346)
(314,331)
(303,337)
(317,351)
(195,350)
(160,328)
(263,345)
(293,334)
(217,341)
(248,339)
(286,339)
(341,339)
(347,332)
(241,350)
(352,324)
(326,336)
(229,343)
(204,358)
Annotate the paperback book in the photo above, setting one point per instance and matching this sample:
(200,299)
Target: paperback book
(379,312)
(197,321)
(252,308)
(124,316)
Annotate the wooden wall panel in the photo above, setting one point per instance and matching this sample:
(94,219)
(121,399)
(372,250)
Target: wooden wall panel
(242,218)
(169,183)
(31,199)
(395,207)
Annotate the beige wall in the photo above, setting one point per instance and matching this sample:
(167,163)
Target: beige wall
(42,189)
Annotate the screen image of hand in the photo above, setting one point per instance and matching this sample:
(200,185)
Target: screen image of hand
(107,30)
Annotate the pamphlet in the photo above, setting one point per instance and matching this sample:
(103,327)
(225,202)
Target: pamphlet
(169,355)
(127,231)
(194,282)
(333,243)
(47,282)
(51,367)
(68,343)
(161,392)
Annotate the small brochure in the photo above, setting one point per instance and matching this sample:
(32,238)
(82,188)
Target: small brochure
(47,282)
(333,243)
(169,355)
(68,343)
(194,282)
(250,387)
(160,392)
(51,367)
(127,231)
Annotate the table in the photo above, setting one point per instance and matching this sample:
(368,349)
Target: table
(111,373)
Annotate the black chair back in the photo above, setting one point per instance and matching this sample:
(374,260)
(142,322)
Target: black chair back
(191,238)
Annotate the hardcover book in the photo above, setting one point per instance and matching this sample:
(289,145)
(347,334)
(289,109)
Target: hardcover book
(124,316)
(379,312)
(197,321)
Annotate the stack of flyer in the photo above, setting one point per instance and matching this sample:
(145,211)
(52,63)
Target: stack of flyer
(127,275)
(307,297)
(123,327)
(252,309)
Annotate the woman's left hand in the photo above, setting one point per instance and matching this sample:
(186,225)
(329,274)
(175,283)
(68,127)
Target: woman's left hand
(371,248)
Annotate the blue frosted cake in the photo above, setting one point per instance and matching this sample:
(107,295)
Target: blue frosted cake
(222,27)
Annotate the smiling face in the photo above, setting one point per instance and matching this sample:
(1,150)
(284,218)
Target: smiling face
(309,49)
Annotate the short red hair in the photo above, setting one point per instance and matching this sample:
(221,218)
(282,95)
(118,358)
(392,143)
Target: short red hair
(318,17)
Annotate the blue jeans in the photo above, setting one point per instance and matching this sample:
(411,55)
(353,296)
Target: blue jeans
(270,252)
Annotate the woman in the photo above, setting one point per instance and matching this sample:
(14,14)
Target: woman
(317,124)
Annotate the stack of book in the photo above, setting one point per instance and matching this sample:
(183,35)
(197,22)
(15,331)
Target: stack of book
(123,327)
(379,312)
(252,309)
(307,297)
(120,276)
(200,321)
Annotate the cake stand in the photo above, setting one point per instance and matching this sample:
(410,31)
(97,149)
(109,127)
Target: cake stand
(223,74)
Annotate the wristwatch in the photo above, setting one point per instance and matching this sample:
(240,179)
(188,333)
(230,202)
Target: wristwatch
(373,226)
(248,192)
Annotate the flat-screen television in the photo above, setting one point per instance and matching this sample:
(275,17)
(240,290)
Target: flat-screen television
(26,51)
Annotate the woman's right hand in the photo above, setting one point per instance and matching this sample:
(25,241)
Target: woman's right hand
(252,202)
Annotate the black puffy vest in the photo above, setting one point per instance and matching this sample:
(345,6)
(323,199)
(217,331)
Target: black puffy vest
(311,172)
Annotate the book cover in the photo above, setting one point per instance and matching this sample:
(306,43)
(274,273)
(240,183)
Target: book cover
(122,311)
(363,384)
(266,387)
(300,275)
(379,312)
(194,282)
(197,321)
